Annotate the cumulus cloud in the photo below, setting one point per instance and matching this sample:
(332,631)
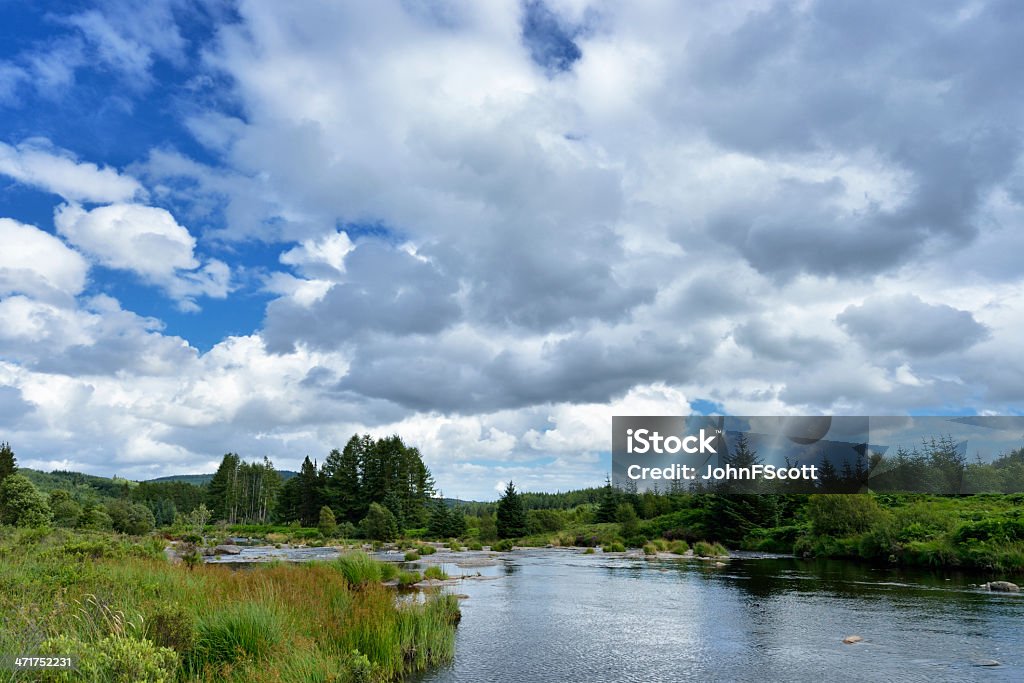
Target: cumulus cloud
(38,163)
(147,241)
(907,324)
(36,263)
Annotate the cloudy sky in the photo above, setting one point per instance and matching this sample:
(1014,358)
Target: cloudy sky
(260,227)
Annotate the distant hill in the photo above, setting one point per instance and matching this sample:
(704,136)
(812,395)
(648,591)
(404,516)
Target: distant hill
(201,479)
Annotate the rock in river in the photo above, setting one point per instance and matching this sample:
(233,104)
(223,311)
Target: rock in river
(850,640)
(227,550)
(1002,586)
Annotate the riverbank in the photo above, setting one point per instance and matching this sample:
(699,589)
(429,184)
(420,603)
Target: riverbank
(125,613)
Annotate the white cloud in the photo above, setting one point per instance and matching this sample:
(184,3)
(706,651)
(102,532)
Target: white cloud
(35,262)
(38,163)
(320,258)
(147,241)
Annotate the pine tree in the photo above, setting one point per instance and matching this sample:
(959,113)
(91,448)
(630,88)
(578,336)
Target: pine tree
(8,463)
(309,493)
(609,508)
(341,481)
(511,516)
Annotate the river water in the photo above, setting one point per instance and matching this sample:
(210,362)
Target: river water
(560,615)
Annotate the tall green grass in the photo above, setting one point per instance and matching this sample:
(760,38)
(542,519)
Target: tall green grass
(145,619)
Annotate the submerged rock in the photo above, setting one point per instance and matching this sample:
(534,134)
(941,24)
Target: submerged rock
(984,662)
(1001,586)
(850,640)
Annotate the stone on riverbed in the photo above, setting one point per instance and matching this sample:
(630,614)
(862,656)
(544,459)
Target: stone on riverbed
(227,550)
(984,662)
(850,640)
(1001,586)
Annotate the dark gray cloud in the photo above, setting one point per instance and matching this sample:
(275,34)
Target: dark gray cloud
(906,83)
(385,290)
(13,407)
(764,340)
(906,323)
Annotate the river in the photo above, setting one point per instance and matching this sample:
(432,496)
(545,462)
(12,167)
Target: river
(560,615)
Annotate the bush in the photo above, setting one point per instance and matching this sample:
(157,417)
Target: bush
(426,550)
(327,525)
(171,625)
(412,556)
(379,524)
(114,658)
(678,547)
(130,518)
(476,545)
(21,503)
(588,551)
(842,514)
(649,549)
(614,547)
(503,546)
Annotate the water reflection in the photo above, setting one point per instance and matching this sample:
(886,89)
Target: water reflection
(564,616)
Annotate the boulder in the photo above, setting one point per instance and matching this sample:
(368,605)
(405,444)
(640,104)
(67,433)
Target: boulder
(850,640)
(984,662)
(1001,586)
(227,550)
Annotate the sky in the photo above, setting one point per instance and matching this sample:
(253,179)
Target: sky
(261,227)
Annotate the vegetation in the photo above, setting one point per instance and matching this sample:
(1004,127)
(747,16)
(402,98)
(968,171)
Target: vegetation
(116,604)
(511,520)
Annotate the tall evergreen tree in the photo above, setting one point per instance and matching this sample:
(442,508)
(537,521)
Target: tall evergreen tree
(608,511)
(309,493)
(511,516)
(8,463)
(222,492)
(342,491)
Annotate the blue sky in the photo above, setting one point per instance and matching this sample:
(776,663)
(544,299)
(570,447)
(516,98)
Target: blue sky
(260,227)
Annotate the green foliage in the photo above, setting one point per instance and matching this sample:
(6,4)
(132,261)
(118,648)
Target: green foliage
(95,518)
(614,547)
(241,630)
(8,463)
(446,522)
(629,523)
(379,524)
(649,549)
(359,569)
(841,514)
(503,546)
(21,503)
(328,525)
(434,572)
(412,556)
(609,508)
(544,521)
(408,578)
(426,549)
(705,549)
(130,518)
(172,625)
(111,659)
(678,547)
(511,518)
(488,527)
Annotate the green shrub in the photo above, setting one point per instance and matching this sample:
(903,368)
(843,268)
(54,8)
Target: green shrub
(588,551)
(171,625)
(678,547)
(388,571)
(839,514)
(114,659)
(434,572)
(426,550)
(412,556)
(503,546)
(614,547)
(476,545)
(650,549)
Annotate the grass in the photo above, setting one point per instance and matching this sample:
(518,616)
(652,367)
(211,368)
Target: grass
(406,579)
(426,550)
(412,556)
(128,614)
(705,549)
(434,572)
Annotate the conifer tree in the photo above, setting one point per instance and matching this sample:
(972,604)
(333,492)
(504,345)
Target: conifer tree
(511,520)
(328,524)
(608,511)
(8,463)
